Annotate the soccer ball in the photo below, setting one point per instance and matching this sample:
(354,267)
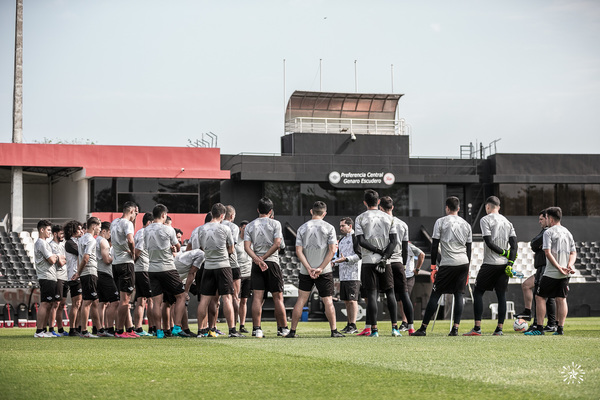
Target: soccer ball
(520,325)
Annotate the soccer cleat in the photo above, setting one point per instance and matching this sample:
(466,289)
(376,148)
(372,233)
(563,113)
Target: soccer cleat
(559,331)
(202,333)
(218,332)
(352,330)
(105,334)
(396,332)
(160,334)
(403,327)
(65,333)
(335,333)
(89,335)
(498,333)
(345,330)
(132,335)
(43,335)
(535,331)
(143,333)
(176,330)
(243,329)
(526,315)
(411,331)
(291,335)
(212,333)
(123,335)
(282,331)
(55,334)
(258,333)
(473,332)
(374,334)
(365,332)
(183,333)
(419,332)
(235,334)
(550,328)
(453,332)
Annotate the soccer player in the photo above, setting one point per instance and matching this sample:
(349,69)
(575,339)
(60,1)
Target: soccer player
(452,237)
(262,240)
(121,233)
(143,293)
(245,264)
(46,273)
(235,268)
(315,247)
(377,236)
(216,240)
(188,263)
(349,266)
(561,254)
(58,248)
(73,232)
(87,271)
(399,260)
(160,242)
(411,271)
(539,262)
(498,234)
(108,294)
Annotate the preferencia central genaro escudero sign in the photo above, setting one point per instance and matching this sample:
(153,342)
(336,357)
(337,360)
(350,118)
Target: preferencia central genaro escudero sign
(362,179)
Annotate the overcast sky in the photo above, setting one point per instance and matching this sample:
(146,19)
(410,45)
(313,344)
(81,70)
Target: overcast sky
(144,72)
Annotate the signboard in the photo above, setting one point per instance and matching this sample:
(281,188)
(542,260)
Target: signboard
(361,179)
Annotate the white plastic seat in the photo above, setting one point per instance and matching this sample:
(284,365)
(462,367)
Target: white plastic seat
(510,309)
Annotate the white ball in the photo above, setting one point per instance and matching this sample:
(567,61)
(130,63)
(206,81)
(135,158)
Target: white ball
(520,325)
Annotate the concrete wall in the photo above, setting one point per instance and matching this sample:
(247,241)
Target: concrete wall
(70,198)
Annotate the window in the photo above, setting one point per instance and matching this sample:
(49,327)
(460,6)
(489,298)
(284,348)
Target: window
(573,199)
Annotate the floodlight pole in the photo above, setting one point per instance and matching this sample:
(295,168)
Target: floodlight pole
(16,203)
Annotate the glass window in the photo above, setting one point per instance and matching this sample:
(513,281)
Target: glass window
(426,200)
(103,194)
(513,199)
(210,194)
(285,197)
(592,200)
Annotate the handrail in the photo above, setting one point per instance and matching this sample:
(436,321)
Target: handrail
(346,126)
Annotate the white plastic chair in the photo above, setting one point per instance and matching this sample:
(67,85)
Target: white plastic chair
(510,309)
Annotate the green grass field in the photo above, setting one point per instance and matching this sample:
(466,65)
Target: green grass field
(313,366)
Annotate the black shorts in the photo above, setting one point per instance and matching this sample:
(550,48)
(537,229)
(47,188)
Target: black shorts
(215,281)
(72,286)
(410,284)
(539,272)
(198,281)
(492,277)
(107,289)
(350,290)
(124,277)
(552,287)
(324,284)
(47,291)
(245,287)
(142,285)
(89,287)
(451,279)
(399,273)
(166,282)
(373,280)
(60,289)
(236,274)
(169,299)
(270,280)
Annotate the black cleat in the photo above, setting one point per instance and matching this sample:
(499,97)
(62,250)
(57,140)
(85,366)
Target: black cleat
(337,334)
(419,332)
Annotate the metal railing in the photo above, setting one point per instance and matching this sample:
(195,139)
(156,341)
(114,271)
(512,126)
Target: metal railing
(346,125)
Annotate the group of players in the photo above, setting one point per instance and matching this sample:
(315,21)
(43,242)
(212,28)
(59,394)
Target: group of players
(222,262)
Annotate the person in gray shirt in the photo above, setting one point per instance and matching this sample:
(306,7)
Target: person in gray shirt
(58,247)
(108,294)
(453,237)
(233,261)
(46,274)
(315,247)
(262,241)
(245,264)
(143,293)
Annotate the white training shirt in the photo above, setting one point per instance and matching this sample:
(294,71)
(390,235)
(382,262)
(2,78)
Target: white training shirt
(119,229)
(214,238)
(453,233)
(158,239)
(262,233)
(499,229)
(314,237)
(376,227)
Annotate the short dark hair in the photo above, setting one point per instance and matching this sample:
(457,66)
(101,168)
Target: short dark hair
(244,222)
(158,210)
(555,213)
(105,226)
(347,221)
(371,197)
(453,203)
(493,200)
(93,221)
(544,212)
(230,211)
(128,206)
(265,205)
(57,228)
(43,223)
(319,208)
(169,218)
(147,218)
(386,203)
(177,230)
(217,210)
(208,218)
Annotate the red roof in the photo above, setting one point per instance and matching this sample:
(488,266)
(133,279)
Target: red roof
(119,161)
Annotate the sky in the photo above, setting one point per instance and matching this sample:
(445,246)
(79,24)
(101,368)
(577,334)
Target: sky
(146,72)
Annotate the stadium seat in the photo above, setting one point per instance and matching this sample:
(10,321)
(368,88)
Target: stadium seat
(510,310)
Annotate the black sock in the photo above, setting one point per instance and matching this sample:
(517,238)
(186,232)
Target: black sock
(476,328)
(232,330)
(498,329)
(256,327)
(374,329)
(353,325)
(139,330)
(61,330)
(120,331)
(130,329)
(334,330)
(51,329)
(292,332)
(84,332)
(187,331)
(94,330)
(111,330)
(241,326)
(423,328)
(395,326)
(39,330)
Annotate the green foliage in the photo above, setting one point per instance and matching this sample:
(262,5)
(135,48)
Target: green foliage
(313,366)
